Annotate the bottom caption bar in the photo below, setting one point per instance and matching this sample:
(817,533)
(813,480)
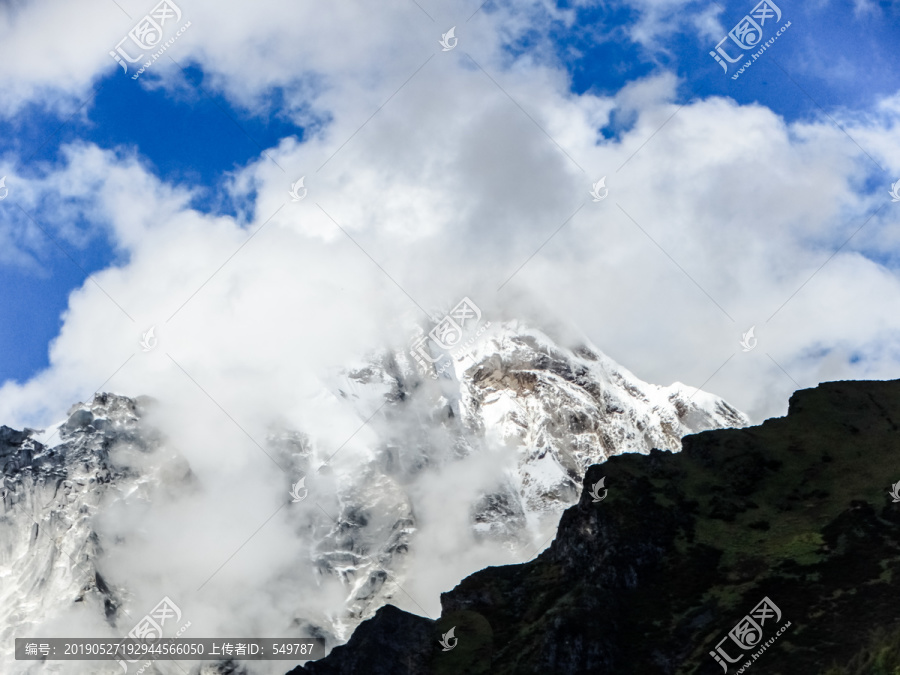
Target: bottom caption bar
(167,649)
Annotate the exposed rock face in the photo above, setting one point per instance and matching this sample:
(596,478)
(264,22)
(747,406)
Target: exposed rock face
(684,548)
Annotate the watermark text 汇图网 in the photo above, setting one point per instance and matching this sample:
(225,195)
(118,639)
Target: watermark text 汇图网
(746,42)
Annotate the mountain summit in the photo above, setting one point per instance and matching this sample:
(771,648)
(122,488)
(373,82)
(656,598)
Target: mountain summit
(557,409)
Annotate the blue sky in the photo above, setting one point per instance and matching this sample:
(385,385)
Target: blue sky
(836,58)
(193,139)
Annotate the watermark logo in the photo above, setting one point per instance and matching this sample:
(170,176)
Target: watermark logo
(148,340)
(449,330)
(5,190)
(148,34)
(895,191)
(895,492)
(595,491)
(449,40)
(447,335)
(296,488)
(748,34)
(446,638)
(151,627)
(597,187)
(748,633)
(295,191)
(748,340)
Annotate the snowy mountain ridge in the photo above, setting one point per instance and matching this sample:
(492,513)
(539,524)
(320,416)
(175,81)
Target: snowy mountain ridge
(541,413)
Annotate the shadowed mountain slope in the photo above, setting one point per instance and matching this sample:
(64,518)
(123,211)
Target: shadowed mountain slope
(686,547)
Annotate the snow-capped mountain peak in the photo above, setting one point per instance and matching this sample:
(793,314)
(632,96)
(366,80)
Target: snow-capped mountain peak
(482,448)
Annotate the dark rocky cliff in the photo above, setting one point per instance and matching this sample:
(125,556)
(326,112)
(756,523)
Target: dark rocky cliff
(681,551)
